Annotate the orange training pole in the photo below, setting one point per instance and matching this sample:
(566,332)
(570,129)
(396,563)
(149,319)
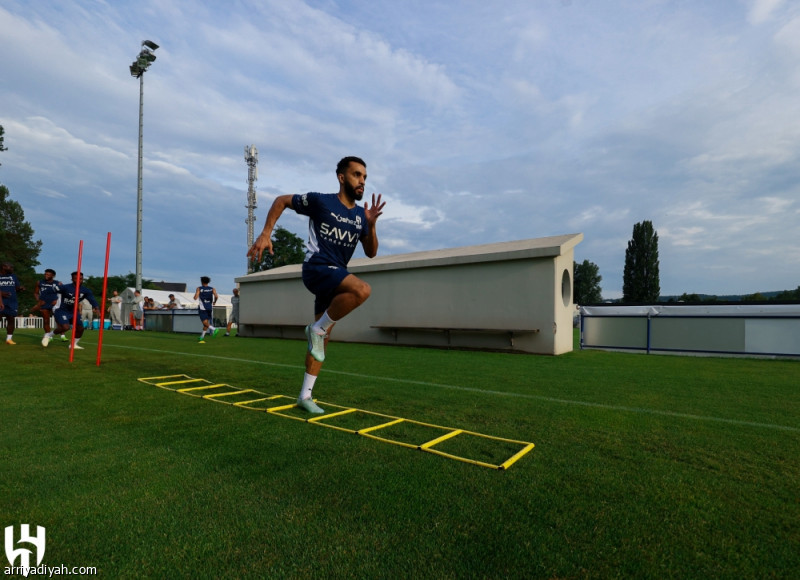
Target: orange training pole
(103,302)
(75,319)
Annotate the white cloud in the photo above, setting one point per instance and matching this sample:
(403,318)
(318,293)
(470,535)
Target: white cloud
(763,10)
(788,36)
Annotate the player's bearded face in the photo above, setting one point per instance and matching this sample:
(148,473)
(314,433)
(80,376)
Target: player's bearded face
(353,181)
(353,191)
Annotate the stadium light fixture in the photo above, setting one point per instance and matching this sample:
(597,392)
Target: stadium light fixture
(143,61)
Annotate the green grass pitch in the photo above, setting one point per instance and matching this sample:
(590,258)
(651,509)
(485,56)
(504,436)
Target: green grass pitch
(644,466)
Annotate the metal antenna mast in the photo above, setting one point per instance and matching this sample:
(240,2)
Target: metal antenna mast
(251,157)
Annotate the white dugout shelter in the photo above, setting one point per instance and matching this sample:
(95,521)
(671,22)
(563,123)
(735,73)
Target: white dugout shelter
(514,296)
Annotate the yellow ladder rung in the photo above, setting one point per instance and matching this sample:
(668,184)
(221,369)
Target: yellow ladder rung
(281,408)
(243,403)
(444,437)
(381,426)
(516,456)
(181,382)
(217,395)
(462,459)
(329,415)
(202,388)
(164,377)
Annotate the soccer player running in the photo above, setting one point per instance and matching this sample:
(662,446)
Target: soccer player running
(64,314)
(207,297)
(9,286)
(335,227)
(46,294)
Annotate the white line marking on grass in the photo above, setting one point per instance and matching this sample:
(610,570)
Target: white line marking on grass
(639,410)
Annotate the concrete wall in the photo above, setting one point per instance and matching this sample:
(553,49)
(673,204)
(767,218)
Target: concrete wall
(491,296)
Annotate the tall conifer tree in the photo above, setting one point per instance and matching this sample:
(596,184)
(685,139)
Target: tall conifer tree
(640,281)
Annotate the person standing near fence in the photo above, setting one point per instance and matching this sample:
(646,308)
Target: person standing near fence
(9,286)
(207,297)
(46,293)
(234,313)
(337,224)
(137,311)
(115,310)
(87,314)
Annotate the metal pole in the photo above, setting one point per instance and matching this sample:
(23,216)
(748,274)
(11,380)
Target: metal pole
(139,190)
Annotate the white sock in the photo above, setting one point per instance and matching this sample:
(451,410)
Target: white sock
(77,340)
(308,386)
(9,337)
(202,335)
(323,325)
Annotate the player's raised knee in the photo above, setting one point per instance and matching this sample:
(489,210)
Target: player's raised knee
(363,291)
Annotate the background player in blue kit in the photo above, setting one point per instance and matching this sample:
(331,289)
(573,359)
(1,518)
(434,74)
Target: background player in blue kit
(64,314)
(9,286)
(336,225)
(207,297)
(46,293)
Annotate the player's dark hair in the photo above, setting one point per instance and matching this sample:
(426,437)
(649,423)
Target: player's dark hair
(53,272)
(205,279)
(341,167)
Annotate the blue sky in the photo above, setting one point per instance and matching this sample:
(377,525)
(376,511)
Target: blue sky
(480,122)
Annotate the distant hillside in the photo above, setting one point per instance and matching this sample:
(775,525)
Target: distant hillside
(724,298)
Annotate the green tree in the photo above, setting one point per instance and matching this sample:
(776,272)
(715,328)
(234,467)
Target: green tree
(18,247)
(288,248)
(757,297)
(118,283)
(788,295)
(640,279)
(587,278)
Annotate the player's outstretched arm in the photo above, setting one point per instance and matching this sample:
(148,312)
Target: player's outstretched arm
(264,240)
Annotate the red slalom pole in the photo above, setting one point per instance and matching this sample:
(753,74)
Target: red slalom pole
(75,319)
(103,302)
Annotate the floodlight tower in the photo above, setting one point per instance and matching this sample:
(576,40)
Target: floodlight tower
(139,66)
(251,157)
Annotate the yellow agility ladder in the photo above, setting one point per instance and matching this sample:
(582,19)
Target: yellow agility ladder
(458,444)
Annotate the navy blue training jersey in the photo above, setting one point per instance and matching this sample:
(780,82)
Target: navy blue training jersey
(206,297)
(67,292)
(333,229)
(8,285)
(48,292)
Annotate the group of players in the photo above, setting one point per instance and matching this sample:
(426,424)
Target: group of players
(53,300)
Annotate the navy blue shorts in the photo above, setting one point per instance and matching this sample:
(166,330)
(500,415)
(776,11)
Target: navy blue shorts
(206,315)
(322,281)
(8,310)
(63,317)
